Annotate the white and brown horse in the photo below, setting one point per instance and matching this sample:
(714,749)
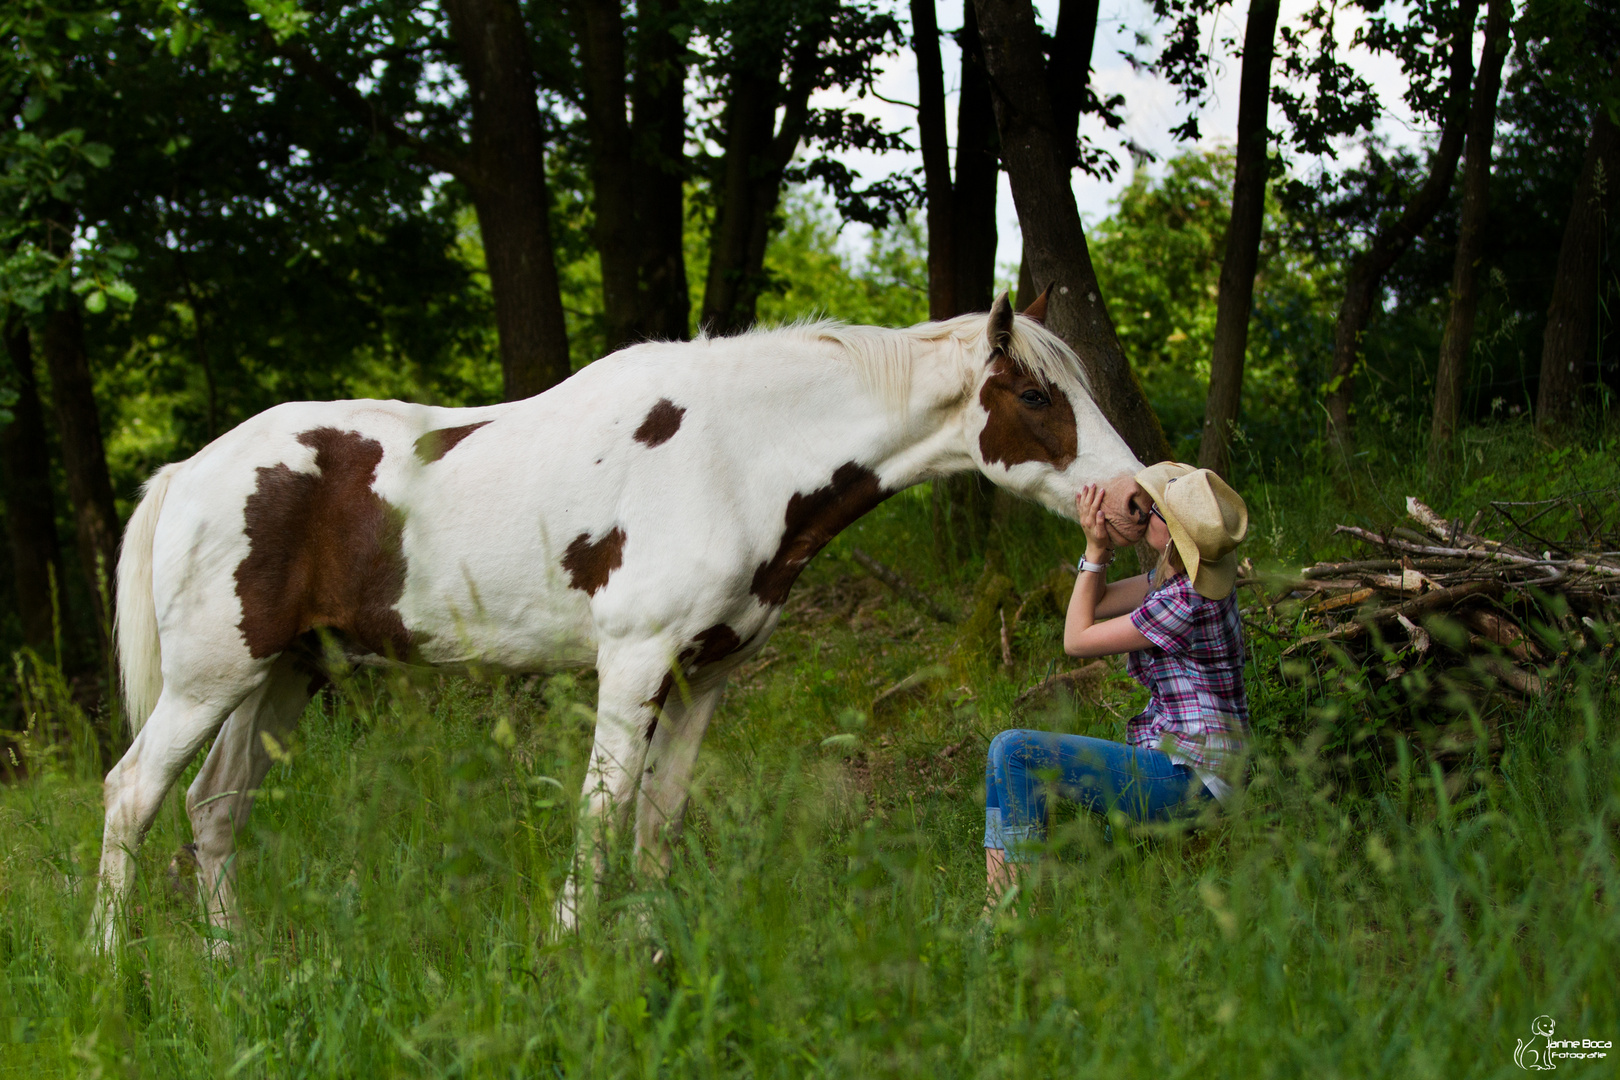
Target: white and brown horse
(647,516)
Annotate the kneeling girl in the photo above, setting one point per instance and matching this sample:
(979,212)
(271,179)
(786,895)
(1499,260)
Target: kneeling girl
(1180,630)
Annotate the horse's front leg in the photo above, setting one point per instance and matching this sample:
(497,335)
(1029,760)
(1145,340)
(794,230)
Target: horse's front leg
(626,711)
(666,775)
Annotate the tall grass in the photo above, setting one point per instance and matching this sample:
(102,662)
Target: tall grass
(822,916)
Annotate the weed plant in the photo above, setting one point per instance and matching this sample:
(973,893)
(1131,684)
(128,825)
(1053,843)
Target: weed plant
(1409,918)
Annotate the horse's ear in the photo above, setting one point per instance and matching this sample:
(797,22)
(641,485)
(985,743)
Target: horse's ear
(999,330)
(1037,310)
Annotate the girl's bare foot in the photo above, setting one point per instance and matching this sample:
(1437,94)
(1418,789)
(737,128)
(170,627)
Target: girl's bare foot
(999,876)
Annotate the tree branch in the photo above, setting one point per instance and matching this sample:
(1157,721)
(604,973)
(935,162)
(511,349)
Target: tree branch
(366,111)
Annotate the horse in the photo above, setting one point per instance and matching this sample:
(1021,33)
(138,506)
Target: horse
(646,516)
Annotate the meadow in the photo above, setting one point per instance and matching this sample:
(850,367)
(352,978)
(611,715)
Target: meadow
(1371,907)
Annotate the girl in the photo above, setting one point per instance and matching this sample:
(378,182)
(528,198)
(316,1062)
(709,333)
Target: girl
(1184,640)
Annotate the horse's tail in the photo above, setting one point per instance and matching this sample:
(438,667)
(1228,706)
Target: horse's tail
(140,654)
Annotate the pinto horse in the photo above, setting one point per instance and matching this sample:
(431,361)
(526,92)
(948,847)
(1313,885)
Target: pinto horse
(647,516)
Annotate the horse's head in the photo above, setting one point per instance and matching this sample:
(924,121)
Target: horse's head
(1034,428)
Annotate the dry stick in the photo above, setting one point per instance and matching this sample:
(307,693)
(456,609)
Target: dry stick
(1451,531)
(1006,641)
(1580,565)
(1525,683)
(1412,609)
(910,593)
(1329,569)
(1437,566)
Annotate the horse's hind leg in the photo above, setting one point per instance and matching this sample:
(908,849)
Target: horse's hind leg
(134,789)
(221,797)
(666,775)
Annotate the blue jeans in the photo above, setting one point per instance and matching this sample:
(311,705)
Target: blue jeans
(1025,766)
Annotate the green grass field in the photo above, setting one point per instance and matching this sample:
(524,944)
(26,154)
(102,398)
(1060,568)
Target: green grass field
(1364,912)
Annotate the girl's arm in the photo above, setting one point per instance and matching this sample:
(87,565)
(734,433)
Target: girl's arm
(1082,634)
(1122,597)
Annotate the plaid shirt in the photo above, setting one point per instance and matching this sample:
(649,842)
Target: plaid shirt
(1198,711)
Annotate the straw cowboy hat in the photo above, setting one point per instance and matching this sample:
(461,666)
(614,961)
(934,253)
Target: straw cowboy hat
(1207,520)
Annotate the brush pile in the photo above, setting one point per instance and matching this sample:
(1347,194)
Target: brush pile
(1510,606)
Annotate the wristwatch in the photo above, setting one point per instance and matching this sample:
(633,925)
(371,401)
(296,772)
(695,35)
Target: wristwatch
(1089,567)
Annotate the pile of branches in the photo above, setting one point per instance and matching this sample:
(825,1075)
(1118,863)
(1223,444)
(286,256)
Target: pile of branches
(1512,605)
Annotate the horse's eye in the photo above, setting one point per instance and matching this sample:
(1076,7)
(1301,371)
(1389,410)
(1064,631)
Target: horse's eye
(1034,398)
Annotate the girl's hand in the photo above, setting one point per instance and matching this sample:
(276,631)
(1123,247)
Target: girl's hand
(1089,503)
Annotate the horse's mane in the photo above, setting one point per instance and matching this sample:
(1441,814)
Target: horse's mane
(884,355)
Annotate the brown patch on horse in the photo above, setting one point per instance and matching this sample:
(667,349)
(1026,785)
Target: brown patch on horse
(590,563)
(1018,430)
(433,445)
(662,422)
(708,647)
(323,551)
(812,519)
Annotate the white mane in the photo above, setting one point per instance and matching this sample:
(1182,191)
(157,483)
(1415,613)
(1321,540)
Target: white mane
(884,355)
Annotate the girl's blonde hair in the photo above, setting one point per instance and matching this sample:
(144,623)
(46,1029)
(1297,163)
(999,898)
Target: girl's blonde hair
(1169,565)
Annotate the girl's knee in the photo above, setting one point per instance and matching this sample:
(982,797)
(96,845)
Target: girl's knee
(1005,745)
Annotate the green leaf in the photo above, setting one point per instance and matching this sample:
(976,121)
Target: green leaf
(97,154)
(121,290)
(33,109)
(283,17)
(96,302)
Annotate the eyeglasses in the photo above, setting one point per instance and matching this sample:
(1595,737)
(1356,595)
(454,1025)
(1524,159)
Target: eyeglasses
(1154,512)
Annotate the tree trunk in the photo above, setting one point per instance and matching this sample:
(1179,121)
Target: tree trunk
(1572,316)
(600,28)
(83,456)
(1026,283)
(728,299)
(1365,279)
(1235,302)
(1459,333)
(658,131)
(757,154)
(1068,73)
(507,178)
(936,155)
(978,171)
(1071,53)
(25,469)
(1054,238)
(961,235)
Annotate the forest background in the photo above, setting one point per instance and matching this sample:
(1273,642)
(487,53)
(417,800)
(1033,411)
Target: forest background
(211,207)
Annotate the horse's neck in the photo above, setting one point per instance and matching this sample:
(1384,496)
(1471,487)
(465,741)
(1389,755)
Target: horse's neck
(904,442)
